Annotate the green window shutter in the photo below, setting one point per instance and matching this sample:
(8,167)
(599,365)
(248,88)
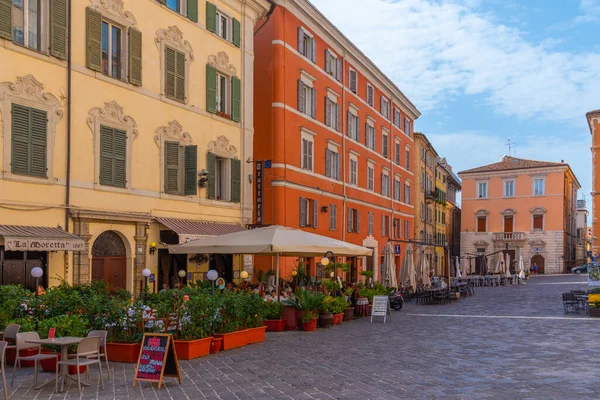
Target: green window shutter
(38,131)
(171,167)
(191,170)
(211,161)
(235,99)
(169,72)
(106,155)
(211,17)
(28,139)
(180,76)
(6,19)
(58,29)
(192,10)
(135,56)
(94,39)
(120,155)
(211,89)
(236,175)
(236,32)
(20,139)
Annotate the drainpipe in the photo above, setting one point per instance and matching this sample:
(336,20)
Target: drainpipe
(68,172)
(344,131)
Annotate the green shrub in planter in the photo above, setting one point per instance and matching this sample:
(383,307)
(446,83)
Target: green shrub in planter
(272,310)
(12,298)
(27,324)
(306,300)
(195,317)
(309,316)
(64,325)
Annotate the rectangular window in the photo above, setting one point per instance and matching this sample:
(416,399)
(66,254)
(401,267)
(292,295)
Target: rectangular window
(397,153)
(332,217)
(422,212)
(307,45)
(353,172)
(407,156)
(353,126)
(397,118)
(407,193)
(385,225)
(397,189)
(538,187)
(222,94)
(385,185)
(223,26)
(332,114)
(509,188)
(370,95)
(112,43)
(28,140)
(370,136)
(113,150)
(304,212)
(27,22)
(353,81)
(332,65)
(482,192)
(332,164)
(397,227)
(181,170)
(385,107)
(307,155)
(406,229)
(538,222)
(370,178)
(174,75)
(371,222)
(481,224)
(384,144)
(353,220)
(407,127)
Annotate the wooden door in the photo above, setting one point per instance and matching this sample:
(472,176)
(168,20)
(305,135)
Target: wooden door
(13,272)
(370,261)
(540,261)
(508,224)
(112,270)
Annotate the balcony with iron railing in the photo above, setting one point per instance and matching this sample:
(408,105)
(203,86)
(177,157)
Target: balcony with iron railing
(509,236)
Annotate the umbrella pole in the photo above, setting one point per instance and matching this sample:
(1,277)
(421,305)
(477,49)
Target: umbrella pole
(277,276)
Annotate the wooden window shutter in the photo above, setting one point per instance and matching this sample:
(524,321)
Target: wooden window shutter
(106,155)
(58,29)
(350,124)
(211,89)
(300,96)
(6,19)
(350,219)
(357,138)
(211,17)
(180,76)
(236,101)
(191,170)
(538,222)
(327,62)
(237,30)
(300,41)
(315,221)
(481,222)
(383,229)
(94,39)
(38,132)
(313,111)
(337,117)
(327,163)
(192,10)
(314,50)
(119,160)
(339,69)
(357,221)
(327,112)
(337,166)
(172,167)
(236,181)
(303,211)
(29,129)
(171,74)
(211,164)
(135,56)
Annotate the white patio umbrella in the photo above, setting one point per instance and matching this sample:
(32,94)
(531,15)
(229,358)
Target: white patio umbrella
(464,264)
(273,240)
(458,274)
(521,268)
(499,267)
(412,276)
(507,274)
(389,267)
(425,272)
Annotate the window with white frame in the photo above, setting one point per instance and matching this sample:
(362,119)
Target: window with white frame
(332,112)
(397,224)
(397,189)
(482,190)
(407,192)
(385,139)
(385,225)
(423,180)
(406,229)
(332,163)
(307,146)
(385,107)
(113,54)
(29,26)
(333,65)
(370,135)
(539,186)
(407,157)
(397,152)
(353,224)
(385,184)
(307,45)
(307,95)
(222,179)
(370,95)
(223,26)
(353,170)
(353,125)
(370,223)
(223,93)
(509,188)
(397,118)
(332,217)
(304,211)
(371,177)
(353,80)
(422,211)
(407,127)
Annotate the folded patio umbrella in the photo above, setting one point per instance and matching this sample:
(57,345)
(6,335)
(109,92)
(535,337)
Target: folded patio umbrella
(507,274)
(521,268)
(425,272)
(498,268)
(458,274)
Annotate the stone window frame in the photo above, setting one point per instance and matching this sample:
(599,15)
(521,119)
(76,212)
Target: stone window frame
(113,116)
(538,211)
(173,132)
(509,212)
(29,92)
(482,213)
(173,37)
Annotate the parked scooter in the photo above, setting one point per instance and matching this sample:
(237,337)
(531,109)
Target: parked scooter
(396,300)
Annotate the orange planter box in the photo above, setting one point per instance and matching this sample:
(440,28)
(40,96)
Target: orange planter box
(123,352)
(190,349)
(233,340)
(256,335)
(274,325)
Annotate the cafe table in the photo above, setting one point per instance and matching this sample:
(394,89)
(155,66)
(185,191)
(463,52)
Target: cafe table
(64,343)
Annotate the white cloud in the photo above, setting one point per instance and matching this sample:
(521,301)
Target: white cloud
(435,51)
(590,11)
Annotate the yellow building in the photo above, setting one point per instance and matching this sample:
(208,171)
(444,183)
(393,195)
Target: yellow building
(139,138)
(441,213)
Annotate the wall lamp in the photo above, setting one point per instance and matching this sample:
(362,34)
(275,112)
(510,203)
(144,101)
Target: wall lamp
(152,248)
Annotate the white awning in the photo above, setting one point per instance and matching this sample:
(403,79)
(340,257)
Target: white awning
(39,238)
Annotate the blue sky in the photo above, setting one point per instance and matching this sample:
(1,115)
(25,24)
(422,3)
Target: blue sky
(485,71)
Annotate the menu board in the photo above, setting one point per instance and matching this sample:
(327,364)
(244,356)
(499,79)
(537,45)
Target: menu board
(381,307)
(157,359)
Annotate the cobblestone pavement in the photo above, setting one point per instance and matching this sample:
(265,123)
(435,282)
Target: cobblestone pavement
(502,343)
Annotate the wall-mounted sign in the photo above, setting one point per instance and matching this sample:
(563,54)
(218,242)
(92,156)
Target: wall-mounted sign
(538,250)
(259,189)
(43,244)
(397,249)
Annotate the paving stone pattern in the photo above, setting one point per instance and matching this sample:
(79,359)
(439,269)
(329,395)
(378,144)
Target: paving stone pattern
(464,350)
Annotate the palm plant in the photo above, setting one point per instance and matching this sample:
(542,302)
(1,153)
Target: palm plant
(263,276)
(306,300)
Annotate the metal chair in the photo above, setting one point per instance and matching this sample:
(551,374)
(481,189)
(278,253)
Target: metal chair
(22,339)
(88,353)
(10,335)
(569,302)
(102,334)
(3,345)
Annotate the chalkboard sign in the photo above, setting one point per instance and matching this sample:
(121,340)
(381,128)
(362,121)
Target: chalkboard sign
(157,359)
(381,307)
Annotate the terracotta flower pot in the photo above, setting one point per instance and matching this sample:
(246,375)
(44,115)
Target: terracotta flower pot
(215,345)
(256,335)
(289,316)
(233,340)
(349,314)
(274,325)
(310,326)
(123,352)
(326,320)
(299,315)
(338,318)
(190,349)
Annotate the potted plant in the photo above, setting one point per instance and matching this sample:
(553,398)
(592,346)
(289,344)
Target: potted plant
(305,301)
(309,321)
(272,316)
(195,332)
(339,307)
(326,312)
(230,321)
(65,325)
(254,309)
(125,335)
(595,309)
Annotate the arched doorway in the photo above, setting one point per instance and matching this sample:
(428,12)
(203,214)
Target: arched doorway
(539,260)
(109,261)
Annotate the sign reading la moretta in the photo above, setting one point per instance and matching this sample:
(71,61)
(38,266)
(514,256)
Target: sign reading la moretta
(43,244)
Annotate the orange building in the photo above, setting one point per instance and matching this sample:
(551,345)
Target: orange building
(338,134)
(524,206)
(593,118)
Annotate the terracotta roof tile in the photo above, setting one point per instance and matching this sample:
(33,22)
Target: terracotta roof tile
(511,163)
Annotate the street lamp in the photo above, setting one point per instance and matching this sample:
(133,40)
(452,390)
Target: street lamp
(37,273)
(212,276)
(146,273)
(325,262)
(244,275)
(181,275)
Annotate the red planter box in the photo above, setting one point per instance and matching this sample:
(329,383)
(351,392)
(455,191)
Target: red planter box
(215,345)
(73,369)
(50,364)
(289,316)
(234,339)
(190,349)
(123,352)
(256,335)
(11,355)
(274,325)
(310,326)
(338,318)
